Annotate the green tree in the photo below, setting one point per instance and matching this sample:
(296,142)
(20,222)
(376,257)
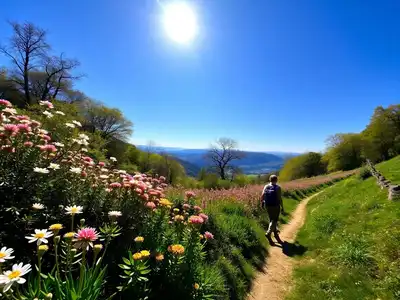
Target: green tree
(109,121)
(383,133)
(344,152)
(305,165)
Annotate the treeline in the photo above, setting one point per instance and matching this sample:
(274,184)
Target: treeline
(35,73)
(379,141)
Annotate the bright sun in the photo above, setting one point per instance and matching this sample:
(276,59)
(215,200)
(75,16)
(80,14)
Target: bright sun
(180,22)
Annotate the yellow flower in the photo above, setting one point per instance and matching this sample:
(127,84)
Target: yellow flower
(179,218)
(145,253)
(176,249)
(137,256)
(201,236)
(56,227)
(165,202)
(97,248)
(176,210)
(139,239)
(159,257)
(69,235)
(196,286)
(43,248)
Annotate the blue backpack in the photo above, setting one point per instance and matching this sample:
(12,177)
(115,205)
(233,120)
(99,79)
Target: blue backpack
(270,197)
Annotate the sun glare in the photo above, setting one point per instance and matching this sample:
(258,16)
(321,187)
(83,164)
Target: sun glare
(180,22)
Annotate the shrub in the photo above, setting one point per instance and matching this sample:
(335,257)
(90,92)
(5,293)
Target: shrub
(364,173)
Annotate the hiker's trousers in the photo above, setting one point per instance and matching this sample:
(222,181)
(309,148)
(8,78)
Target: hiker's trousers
(273,214)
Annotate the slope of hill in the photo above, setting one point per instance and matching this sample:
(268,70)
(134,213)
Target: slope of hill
(352,234)
(252,163)
(191,169)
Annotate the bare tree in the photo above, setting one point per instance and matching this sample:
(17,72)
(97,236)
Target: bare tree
(27,48)
(55,78)
(222,154)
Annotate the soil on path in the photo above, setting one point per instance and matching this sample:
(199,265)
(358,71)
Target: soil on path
(274,282)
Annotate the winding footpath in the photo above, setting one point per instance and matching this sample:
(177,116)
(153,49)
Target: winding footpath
(273,282)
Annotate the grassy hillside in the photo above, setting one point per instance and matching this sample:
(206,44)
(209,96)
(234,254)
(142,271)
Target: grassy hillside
(391,170)
(352,234)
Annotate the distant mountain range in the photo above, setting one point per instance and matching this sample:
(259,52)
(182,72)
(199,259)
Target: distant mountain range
(252,163)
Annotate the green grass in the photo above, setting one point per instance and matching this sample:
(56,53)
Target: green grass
(352,236)
(391,169)
(240,247)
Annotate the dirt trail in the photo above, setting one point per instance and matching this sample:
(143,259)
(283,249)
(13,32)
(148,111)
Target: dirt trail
(274,282)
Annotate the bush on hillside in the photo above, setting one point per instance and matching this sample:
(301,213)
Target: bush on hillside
(47,175)
(306,165)
(364,173)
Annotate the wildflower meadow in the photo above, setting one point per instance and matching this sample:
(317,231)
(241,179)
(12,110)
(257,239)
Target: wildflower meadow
(76,228)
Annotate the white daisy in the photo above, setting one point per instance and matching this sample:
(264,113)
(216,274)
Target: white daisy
(41,170)
(59,144)
(103,176)
(73,210)
(43,131)
(54,166)
(9,110)
(113,158)
(83,136)
(40,236)
(70,125)
(114,213)
(77,123)
(104,169)
(37,206)
(5,254)
(15,275)
(75,170)
(84,150)
(121,172)
(46,103)
(60,113)
(48,114)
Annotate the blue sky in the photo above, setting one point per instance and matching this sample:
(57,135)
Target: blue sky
(274,75)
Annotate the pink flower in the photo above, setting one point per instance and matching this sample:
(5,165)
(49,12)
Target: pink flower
(196,220)
(115,185)
(208,235)
(28,144)
(46,138)
(186,206)
(24,127)
(139,191)
(145,197)
(162,178)
(48,148)
(87,159)
(197,208)
(20,118)
(85,237)
(151,205)
(190,194)
(11,128)
(204,217)
(101,164)
(84,174)
(5,103)
(35,123)
(46,103)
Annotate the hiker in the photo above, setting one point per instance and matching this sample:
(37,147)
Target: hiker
(271,199)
